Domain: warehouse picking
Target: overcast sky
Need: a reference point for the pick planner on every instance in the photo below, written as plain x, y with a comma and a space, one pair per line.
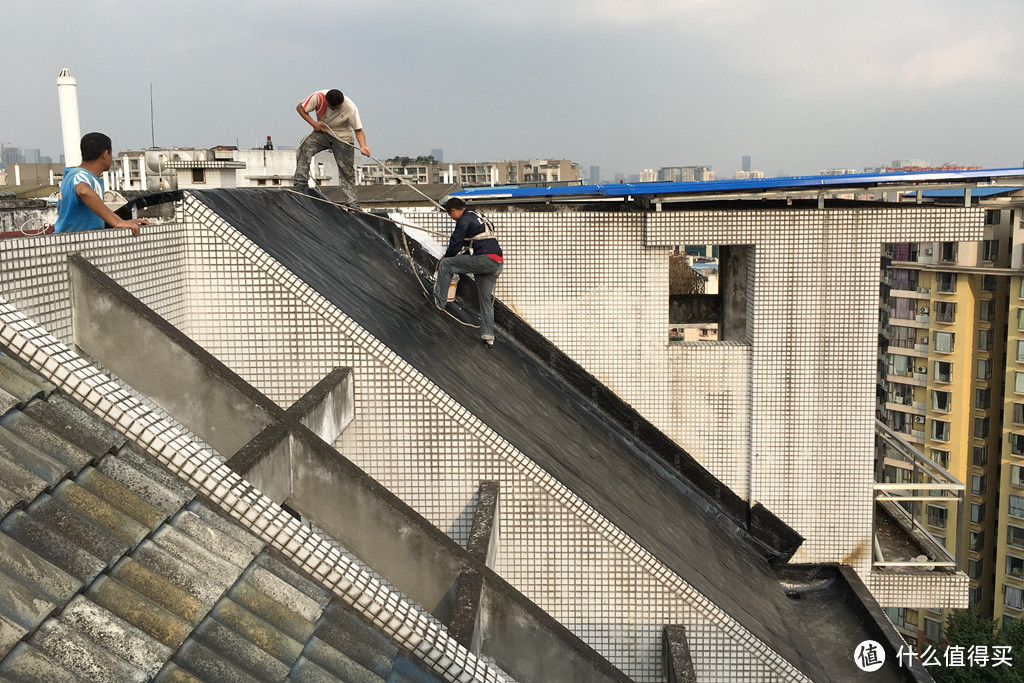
799, 85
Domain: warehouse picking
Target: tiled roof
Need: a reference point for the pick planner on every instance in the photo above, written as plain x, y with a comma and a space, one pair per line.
113, 569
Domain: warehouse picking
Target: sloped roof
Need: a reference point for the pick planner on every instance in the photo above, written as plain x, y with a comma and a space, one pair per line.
539, 411
113, 569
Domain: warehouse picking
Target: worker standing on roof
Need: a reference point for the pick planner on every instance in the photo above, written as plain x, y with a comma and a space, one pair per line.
336, 118
472, 249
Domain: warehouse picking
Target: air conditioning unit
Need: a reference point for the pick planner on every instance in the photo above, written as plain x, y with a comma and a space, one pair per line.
924, 340
919, 419
922, 369
924, 310
927, 251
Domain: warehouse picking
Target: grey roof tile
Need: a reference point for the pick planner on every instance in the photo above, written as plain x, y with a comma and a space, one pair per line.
83, 531
14, 367
10, 634
205, 588
308, 671
26, 664
346, 633
22, 485
116, 635
84, 656
134, 477
148, 465
36, 572
101, 512
7, 500
158, 590
341, 665
407, 671
259, 603
257, 629
64, 418
274, 587
21, 604
172, 673
213, 539
227, 526
187, 550
18, 386
19, 451
293, 578
53, 546
136, 609
120, 497
7, 401
244, 653
55, 445
207, 665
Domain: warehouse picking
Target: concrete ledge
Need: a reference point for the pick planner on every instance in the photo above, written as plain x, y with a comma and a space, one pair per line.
328, 408
677, 656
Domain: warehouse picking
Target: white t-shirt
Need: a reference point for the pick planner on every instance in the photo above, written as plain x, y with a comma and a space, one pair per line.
340, 121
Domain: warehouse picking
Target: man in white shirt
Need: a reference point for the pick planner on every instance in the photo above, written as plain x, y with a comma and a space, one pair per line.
336, 119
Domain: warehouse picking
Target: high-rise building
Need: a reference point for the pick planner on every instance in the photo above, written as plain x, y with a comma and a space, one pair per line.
953, 322
438, 155
595, 174
746, 164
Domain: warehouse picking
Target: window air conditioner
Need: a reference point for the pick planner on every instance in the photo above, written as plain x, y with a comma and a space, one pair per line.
922, 369
924, 340
924, 310
927, 251
919, 419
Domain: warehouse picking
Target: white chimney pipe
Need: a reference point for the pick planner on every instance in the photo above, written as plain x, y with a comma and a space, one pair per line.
67, 94
51, 176
143, 185
17, 174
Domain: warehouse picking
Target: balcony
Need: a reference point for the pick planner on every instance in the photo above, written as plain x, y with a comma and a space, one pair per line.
915, 489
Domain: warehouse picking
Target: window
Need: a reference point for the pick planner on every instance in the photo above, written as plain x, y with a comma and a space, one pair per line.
978, 483
1016, 444
974, 595
982, 398
940, 430
941, 401
982, 425
985, 338
1013, 597
974, 568
988, 310
1018, 382
1015, 536
932, 630
992, 217
980, 456
984, 368
990, 250
937, 516
1018, 413
1007, 622
988, 283
1020, 350
977, 513
944, 342
897, 615
945, 311
1017, 475
977, 541
940, 457
947, 251
945, 283
198, 175
906, 280
943, 371
1016, 508
1020, 318
904, 309
1015, 567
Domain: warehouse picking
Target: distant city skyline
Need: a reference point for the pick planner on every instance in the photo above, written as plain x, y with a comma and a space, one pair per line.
798, 87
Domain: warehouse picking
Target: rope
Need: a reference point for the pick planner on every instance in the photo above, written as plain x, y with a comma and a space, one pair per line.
429, 294
35, 231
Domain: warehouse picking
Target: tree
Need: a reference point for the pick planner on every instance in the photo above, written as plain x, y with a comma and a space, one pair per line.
968, 629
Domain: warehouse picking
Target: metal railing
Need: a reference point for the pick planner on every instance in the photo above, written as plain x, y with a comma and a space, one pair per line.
924, 483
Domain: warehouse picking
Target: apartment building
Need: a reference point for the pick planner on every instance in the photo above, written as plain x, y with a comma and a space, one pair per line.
468, 174
948, 386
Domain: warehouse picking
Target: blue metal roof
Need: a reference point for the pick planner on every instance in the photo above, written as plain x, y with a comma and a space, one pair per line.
766, 185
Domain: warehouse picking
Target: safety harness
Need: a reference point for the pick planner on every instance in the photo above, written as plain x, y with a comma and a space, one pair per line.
488, 233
